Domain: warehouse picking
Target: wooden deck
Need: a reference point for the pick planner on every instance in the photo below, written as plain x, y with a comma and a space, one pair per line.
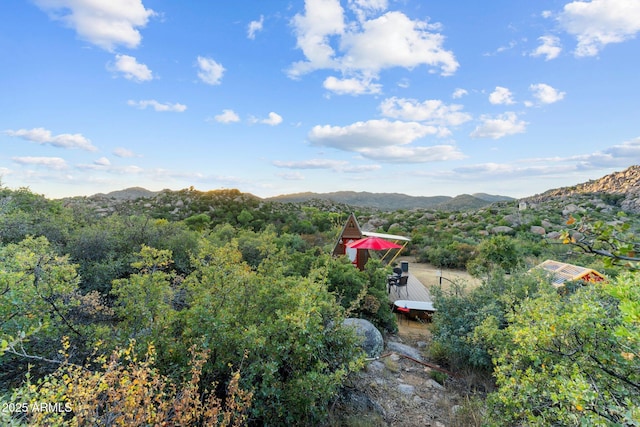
416, 290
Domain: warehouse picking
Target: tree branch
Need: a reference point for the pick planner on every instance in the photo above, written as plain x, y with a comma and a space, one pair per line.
613, 374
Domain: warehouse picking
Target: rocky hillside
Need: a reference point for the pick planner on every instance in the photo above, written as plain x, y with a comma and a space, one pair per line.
395, 201
621, 189
183, 203
624, 187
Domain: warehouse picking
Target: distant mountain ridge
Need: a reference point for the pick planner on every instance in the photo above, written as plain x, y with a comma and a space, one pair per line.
623, 185
363, 199
391, 201
131, 193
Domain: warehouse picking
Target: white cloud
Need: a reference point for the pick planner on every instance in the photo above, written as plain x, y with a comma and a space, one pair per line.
361, 168
128, 170
431, 111
210, 71
157, 106
254, 27
321, 20
227, 116
617, 156
366, 46
104, 165
549, 47
351, 86
334, 165
56, 163
369, 134
365, 8
106, 24
546, 94
404, 83
516, 173
598, 23
628, 150
274, 119
44, 136
408, 154
394, 40
501, 96
485, 169
132, 69
123, 153
459, 93
383, 140
500, 126
311, 164
102, 161
291, 176
621, 155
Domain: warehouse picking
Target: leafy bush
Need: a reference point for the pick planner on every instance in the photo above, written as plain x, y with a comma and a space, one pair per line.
453, 255
297, 354
496, 253
362, 293
39, 303
571, 360
461, 314
126, 390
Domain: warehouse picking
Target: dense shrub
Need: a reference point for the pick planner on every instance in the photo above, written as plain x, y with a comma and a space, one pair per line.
496, 253
461, 313
570, 360
125, 390
362, 293
453, 255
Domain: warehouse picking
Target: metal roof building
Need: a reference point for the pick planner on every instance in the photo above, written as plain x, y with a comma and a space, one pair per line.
562, 272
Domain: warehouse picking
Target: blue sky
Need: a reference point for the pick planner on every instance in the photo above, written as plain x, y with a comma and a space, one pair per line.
275, 97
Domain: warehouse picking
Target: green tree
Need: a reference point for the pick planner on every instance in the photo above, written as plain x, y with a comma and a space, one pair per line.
33, 286
143, 300
362, 293
245, 217
285, 328
571, 360
199, 222
461, 315
39, 303
497, 252
616, 242
23, 213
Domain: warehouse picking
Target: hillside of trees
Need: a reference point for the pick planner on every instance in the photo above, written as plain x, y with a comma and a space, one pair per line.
219, 308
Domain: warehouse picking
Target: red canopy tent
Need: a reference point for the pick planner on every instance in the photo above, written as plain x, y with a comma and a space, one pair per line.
373, 243
360, 255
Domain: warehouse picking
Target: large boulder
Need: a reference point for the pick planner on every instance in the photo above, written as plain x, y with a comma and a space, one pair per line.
502, 229
546, 224
371, 339
536, 229
404, 349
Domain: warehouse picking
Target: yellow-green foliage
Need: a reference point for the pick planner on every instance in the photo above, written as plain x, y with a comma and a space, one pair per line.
571, 360
125, 390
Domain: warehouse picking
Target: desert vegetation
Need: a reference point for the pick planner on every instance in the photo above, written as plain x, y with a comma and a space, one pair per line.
219, 308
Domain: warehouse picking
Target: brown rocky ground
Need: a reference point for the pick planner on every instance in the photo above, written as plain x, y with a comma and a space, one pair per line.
397, 391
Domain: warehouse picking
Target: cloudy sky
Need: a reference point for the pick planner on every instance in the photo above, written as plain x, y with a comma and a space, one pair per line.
282, 96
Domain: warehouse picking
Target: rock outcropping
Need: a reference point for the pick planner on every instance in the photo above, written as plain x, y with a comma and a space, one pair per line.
625, 184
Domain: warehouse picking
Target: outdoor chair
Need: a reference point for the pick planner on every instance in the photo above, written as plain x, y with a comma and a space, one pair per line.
392, 280
402, 282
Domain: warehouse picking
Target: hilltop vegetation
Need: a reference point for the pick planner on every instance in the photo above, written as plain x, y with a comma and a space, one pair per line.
167, 300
